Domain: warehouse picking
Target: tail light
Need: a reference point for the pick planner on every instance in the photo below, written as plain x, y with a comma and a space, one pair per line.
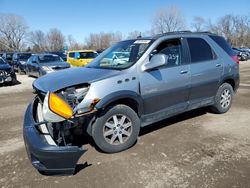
235, 58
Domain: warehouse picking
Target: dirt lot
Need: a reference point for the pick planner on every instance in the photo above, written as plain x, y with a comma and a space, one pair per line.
195, 149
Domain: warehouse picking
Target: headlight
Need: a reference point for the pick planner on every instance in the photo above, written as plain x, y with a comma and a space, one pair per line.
55, 109
47, 69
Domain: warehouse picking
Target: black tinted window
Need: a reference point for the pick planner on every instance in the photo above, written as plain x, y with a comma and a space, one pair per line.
199, 50
223, 44
72, 54
88, 55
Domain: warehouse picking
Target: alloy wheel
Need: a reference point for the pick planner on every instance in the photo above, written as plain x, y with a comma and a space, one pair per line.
117, 129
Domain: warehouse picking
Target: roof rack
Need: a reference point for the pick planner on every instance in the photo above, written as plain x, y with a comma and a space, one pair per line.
182, 32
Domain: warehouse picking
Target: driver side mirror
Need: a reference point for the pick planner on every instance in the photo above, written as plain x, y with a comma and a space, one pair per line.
156, 61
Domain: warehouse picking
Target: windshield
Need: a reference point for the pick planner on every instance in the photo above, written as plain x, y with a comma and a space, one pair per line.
9, 56
2, 61
24, 56
49, 58
122, 55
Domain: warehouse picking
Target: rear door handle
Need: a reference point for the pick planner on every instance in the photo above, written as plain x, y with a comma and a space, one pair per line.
184, 71
218, 65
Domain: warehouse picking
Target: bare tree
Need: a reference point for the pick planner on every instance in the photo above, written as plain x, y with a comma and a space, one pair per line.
242, 31
38, 40
134, 34
236, 29
167, 20
198, 23
55, 40
102, 40
12, 32
73, 44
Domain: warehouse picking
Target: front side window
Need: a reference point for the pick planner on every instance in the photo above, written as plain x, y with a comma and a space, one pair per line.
173, 51
200, 50
121, 55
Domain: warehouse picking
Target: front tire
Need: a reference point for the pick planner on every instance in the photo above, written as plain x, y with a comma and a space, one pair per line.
223, 99
116, 129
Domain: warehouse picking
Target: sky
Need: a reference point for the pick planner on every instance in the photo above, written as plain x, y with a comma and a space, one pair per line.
79, 18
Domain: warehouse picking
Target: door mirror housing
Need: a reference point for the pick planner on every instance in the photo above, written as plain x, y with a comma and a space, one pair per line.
156, 61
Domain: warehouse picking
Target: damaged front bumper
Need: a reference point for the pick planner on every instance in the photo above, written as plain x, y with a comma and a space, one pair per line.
47, 158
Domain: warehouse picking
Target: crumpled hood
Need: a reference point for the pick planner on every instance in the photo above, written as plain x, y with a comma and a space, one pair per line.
70, 77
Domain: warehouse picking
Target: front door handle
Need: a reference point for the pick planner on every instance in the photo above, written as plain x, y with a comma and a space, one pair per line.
184, 71
218, 65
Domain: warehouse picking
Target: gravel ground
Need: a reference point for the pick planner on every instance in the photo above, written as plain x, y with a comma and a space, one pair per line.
195, 149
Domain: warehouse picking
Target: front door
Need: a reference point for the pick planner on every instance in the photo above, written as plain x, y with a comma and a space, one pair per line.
165, 90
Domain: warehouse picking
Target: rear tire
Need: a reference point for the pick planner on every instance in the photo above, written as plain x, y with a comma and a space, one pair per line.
116, 129
223, 99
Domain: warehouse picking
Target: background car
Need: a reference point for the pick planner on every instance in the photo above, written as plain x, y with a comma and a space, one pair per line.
41, 64
7, 56
81, 57
243, 55
60, 54
19, 61
7, 73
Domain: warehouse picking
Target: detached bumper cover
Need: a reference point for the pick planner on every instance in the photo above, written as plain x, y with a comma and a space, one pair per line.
48, 159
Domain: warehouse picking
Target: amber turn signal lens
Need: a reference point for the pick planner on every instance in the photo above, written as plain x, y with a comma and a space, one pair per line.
59, 106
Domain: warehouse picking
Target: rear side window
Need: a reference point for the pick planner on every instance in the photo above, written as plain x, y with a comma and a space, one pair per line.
72, 54
223, 44
200, 50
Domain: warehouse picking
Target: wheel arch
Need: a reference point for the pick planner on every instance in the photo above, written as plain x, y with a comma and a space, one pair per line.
129, 98
229, 81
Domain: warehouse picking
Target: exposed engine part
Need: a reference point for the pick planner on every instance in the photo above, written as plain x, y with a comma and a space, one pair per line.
74, 95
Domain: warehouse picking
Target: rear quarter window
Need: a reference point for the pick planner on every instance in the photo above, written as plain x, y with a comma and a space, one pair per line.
223, 44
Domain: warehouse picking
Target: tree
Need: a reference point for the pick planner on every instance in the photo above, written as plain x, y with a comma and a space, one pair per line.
39, 40
100, 41
134, 34
55, 40
13, 30
167, 20
73, 44
236, 29
198, 23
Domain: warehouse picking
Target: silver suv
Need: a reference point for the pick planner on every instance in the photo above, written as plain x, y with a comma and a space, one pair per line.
130, 85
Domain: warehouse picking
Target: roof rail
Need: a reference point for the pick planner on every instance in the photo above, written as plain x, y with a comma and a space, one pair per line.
183, 32
173, 32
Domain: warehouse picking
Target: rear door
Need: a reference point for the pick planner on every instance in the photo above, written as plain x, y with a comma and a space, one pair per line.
206, 70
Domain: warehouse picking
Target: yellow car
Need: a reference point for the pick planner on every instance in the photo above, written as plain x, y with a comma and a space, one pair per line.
81, 58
